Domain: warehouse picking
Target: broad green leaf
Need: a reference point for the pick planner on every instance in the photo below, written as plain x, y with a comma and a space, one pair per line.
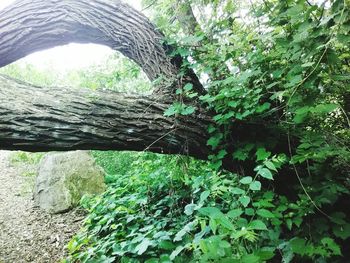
262, 154
270, 165
265, 213
331, 245
188, 110
264, 172
142, 247
172, 110
166, 245
244, 200
189, 209
246, 180
235, 213
237, 191
324, 108
251, 258
255, 186
176, 252
204, 196
257, 225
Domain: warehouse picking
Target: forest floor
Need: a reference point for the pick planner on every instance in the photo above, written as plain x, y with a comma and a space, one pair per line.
28, 234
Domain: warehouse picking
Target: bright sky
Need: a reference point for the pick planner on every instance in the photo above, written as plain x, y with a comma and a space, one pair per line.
72, 56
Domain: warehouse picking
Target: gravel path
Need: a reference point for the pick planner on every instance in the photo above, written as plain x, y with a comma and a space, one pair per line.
28, 234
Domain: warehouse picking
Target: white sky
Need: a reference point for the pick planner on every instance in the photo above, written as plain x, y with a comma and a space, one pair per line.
72, 56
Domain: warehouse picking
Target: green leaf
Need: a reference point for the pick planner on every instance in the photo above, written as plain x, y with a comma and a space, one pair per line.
265, 213
263, 107
215, 140
237, 191
244, 200
187, 228
250, 258
176, 252
270, 165
188, 110
211, 212
246, 180
204, 196
166, 245
188, 87
142, 247
257, 225
298, 245
172, 110
331, 245
262, 154
342, 232
266, 173
189, 209
234, 213
255, 186
325, 108
221, 154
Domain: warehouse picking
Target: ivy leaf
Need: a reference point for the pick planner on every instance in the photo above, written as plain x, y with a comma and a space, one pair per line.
246, 180
244, 200
266, 173
262, 154
257, 225
255, 186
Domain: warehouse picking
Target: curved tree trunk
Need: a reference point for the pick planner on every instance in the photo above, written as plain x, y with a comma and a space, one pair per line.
43, 119
32, 25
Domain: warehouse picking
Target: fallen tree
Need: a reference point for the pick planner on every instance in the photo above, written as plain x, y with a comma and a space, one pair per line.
44, 119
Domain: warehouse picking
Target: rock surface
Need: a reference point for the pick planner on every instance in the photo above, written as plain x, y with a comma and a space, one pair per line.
28, 234
64, 177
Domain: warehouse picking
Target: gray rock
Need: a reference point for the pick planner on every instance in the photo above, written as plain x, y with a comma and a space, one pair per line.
63, 178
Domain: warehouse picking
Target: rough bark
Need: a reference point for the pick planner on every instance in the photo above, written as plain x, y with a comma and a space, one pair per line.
32, 25
46, 119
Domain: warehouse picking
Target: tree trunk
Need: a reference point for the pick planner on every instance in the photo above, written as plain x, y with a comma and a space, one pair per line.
28, 26
47, 119
33, 25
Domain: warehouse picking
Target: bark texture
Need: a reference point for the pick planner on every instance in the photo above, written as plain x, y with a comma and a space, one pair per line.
46, 119
32, 25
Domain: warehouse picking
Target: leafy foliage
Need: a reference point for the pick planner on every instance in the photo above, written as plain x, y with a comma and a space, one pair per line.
284, 64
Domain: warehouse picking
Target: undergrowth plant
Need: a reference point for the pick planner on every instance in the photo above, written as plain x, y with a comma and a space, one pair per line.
281, 64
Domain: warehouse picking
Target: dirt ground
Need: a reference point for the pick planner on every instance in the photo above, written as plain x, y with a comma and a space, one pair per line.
28, 234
